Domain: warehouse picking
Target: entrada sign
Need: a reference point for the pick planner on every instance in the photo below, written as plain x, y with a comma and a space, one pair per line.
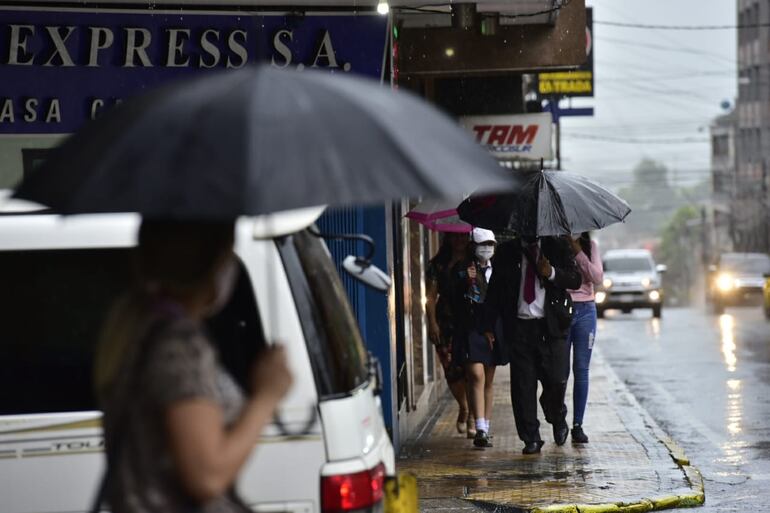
516, 135
571, 83
61, 67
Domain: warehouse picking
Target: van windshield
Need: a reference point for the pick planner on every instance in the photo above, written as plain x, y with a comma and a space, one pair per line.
52, 308
628, 265
334, 341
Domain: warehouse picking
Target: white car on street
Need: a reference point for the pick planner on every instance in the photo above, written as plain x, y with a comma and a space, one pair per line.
631, 280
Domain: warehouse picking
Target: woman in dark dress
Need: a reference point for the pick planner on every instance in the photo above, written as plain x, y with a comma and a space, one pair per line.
471, 278
454, 249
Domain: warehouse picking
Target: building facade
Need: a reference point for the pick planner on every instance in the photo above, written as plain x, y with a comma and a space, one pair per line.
723, 181
750, 204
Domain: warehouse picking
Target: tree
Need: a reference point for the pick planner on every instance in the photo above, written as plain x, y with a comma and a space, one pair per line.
678, 251
653, 200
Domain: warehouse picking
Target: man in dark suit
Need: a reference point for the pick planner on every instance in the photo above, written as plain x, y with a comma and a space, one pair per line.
529, 291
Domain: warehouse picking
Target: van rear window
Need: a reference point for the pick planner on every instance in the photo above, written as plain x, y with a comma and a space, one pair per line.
52, 307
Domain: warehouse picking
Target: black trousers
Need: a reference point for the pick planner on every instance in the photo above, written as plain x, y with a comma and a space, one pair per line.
534, 357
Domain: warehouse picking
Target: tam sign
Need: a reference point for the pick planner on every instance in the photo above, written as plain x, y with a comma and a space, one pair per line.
525, 136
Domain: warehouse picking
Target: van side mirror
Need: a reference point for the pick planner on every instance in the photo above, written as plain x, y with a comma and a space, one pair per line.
367, 273
661, 268
360, 268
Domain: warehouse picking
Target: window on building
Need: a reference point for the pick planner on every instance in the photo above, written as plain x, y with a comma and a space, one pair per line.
719, 145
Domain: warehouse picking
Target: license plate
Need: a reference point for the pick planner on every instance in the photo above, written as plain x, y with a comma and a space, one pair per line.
627, 298
401, 494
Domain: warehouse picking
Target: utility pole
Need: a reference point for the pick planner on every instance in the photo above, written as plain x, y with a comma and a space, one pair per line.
558, 143
765, 210
704, 238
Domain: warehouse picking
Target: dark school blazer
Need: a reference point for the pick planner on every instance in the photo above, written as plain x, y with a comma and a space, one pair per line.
503, 290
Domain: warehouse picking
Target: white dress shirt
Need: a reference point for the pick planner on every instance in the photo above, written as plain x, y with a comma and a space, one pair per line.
487, 271
535, 309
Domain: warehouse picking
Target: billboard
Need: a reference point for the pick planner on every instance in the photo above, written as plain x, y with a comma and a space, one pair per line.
579, 82
61, 67
526, 136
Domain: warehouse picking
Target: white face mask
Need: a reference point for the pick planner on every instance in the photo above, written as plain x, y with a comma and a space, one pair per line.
485, 253
224, 285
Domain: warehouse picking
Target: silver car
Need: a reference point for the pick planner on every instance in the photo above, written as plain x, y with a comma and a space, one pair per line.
631, 280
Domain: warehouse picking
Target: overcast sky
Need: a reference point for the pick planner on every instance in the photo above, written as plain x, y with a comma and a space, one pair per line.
653, 84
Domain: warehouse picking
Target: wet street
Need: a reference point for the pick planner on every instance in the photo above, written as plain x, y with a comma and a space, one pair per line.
706, 380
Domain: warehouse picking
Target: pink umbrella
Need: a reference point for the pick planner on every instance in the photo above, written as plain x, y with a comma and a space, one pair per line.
440, 216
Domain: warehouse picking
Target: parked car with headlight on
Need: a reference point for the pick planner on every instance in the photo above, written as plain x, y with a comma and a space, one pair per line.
631, 280
737, 279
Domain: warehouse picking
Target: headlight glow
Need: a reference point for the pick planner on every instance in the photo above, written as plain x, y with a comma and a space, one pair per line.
646, 282
607, 283
600, 297
725, 282
654, 295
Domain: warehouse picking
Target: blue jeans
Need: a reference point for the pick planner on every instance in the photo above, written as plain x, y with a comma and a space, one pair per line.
581, 341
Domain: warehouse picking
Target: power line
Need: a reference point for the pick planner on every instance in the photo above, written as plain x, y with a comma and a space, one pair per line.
665, 48
679, 27
631, 140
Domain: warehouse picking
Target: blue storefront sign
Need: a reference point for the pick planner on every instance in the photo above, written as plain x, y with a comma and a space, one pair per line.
62, 67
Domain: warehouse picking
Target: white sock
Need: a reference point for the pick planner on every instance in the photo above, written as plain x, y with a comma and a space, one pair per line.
481, 424
486, 425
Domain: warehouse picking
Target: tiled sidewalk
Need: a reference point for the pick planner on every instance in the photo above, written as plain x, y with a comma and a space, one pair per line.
629, 464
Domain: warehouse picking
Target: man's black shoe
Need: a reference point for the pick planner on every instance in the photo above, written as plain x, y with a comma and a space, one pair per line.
481, 439
560, 434
578, 436
532, 447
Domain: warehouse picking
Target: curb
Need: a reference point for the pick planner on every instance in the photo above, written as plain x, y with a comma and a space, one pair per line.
692, 474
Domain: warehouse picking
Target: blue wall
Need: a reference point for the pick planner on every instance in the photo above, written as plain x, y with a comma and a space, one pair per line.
370, 306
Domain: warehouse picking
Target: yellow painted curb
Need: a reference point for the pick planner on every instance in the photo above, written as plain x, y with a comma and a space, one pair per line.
643, 506
598, 508
556, 508
640, 507
676, 452
667, 502
691, 501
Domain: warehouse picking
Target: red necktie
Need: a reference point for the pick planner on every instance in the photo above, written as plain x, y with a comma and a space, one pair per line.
529, 276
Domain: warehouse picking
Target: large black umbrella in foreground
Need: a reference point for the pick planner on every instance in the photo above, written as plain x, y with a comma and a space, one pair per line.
260, 140
550, 203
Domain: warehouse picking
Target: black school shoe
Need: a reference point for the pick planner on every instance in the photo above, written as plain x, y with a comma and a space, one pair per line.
560, 434
481, 439
578, 436
532, 447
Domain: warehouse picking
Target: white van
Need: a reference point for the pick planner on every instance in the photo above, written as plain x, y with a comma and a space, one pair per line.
59, 276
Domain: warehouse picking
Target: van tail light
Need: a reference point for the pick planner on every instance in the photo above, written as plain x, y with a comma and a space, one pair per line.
348, 492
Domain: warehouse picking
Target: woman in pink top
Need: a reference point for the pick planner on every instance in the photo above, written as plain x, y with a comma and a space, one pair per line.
583, 330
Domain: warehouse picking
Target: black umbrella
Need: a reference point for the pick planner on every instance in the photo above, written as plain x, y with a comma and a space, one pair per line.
550, 203
260, 140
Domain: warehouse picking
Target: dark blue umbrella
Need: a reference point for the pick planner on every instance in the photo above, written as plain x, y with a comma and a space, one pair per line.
550, 203
260, 140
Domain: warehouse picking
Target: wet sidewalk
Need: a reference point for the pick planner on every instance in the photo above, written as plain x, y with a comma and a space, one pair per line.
630, 465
